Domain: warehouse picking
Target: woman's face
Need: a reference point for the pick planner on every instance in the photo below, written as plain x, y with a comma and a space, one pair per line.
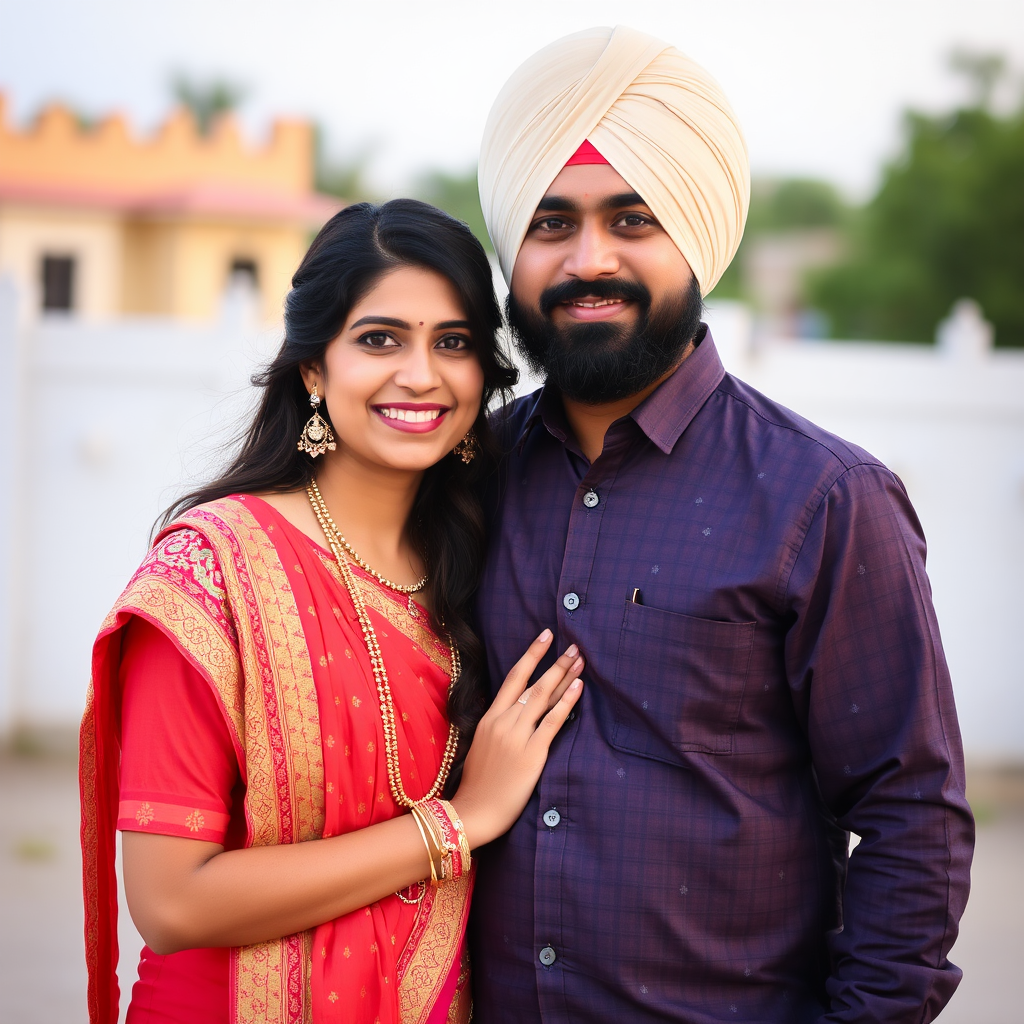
401, 381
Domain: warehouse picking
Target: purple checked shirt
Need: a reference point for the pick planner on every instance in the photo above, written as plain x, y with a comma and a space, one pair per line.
764, 674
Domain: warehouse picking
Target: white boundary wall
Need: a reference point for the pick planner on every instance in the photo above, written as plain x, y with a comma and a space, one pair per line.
950, 423
101, 425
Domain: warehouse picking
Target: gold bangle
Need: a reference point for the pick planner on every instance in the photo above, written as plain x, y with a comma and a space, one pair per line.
426, 843
436, 845
426, 814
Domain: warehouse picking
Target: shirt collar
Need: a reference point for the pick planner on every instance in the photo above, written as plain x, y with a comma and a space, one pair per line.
663, 415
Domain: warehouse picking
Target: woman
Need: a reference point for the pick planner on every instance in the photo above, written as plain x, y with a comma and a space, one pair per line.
274, 716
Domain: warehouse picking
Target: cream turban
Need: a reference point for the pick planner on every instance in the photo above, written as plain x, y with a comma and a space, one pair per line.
656, 116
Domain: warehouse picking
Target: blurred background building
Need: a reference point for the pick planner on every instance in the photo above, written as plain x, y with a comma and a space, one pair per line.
99, 223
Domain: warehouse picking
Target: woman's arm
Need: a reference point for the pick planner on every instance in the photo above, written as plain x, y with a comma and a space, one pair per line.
184, 893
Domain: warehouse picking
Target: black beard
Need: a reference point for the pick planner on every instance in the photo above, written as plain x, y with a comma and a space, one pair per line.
595, 363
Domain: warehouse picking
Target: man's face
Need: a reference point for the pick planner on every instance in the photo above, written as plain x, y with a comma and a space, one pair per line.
601, 301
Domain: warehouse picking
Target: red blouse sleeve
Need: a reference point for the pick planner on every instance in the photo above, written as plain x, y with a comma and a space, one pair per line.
179, 771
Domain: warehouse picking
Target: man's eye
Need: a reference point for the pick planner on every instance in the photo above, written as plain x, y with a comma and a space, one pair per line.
377, 339
552, 224
634, 220
453, 342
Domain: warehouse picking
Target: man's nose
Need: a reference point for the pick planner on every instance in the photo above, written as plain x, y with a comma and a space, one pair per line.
418, 370
592, 254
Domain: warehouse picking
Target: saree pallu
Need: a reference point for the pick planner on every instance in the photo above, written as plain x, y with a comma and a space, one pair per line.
262, 613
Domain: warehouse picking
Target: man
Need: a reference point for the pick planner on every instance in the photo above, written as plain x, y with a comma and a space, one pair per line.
764, 672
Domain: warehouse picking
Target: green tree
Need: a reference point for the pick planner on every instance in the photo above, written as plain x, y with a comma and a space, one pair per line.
458, 195
792, 204
344, 178
946, 223
207, 100
778, 206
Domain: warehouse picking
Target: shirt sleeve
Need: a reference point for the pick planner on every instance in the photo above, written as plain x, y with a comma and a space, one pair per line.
870, 683
178, 765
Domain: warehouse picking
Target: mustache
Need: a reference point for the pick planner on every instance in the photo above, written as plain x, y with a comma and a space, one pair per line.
603, 288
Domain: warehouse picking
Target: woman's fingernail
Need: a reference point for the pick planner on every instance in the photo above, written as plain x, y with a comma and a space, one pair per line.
572, 651
577, 665
575, 684
546, 635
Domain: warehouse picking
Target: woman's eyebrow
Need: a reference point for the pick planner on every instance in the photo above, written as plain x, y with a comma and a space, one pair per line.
387, 321
403, 325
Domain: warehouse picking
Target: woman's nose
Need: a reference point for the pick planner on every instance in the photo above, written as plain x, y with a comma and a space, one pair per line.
418, 370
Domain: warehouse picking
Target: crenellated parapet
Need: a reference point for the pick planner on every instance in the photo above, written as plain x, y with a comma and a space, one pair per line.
98, 221
56, 151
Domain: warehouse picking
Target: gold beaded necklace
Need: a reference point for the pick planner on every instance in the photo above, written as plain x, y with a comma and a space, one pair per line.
380, 675
414, 589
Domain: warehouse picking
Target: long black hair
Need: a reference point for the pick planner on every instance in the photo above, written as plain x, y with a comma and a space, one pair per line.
353, 250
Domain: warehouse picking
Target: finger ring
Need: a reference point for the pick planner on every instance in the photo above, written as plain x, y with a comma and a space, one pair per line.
522, 700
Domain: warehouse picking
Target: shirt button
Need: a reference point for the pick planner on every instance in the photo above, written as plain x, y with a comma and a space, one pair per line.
547, 956
552, 818
571, 602
590, 499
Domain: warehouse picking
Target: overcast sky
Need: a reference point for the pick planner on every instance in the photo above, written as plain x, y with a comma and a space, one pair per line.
819, 85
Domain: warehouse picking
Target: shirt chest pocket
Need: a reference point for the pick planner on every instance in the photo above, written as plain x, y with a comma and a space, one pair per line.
679, 683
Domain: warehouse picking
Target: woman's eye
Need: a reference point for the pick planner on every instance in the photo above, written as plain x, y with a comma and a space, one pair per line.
453, 342
377, 339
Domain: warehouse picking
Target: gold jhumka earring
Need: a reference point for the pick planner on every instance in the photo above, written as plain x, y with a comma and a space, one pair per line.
317, 436
467, 448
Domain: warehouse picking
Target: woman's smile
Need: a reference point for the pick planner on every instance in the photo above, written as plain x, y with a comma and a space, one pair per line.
412, 417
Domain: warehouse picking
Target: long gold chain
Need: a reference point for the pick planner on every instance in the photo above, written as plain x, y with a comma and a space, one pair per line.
380, 675
402, 589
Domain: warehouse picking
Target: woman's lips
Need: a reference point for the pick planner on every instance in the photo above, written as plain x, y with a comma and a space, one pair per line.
594, 309
412, 418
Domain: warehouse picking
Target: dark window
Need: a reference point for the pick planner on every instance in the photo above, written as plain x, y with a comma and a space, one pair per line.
245, 268
59, 282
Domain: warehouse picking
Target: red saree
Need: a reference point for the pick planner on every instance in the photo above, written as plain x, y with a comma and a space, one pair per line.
261, 613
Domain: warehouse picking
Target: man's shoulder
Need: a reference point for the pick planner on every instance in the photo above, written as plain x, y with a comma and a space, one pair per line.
757, 421
767, 422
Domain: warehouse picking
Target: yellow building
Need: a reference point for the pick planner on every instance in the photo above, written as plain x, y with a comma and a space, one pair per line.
97, 223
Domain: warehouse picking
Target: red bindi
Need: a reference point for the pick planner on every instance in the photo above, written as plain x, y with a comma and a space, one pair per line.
421, 323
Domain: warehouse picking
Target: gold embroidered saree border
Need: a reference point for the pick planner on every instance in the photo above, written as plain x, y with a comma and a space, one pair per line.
432, 948
284, 757
102, 988
186, 621
461, 1009
268, 693
160, 593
